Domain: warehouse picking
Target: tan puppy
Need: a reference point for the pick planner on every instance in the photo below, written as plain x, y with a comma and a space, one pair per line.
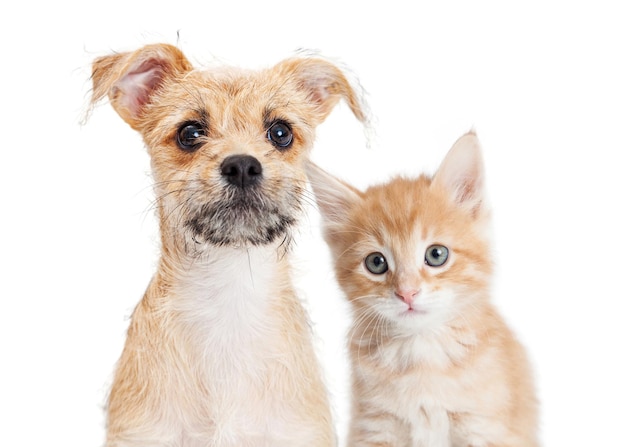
218, 351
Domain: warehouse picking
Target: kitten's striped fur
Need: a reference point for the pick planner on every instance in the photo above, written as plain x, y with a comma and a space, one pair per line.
434, 364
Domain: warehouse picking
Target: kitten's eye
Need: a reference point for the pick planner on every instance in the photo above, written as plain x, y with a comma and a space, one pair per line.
436, 255
190, 136
376, 263
280, 134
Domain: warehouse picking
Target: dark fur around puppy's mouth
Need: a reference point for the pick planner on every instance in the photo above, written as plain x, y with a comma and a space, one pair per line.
246, 217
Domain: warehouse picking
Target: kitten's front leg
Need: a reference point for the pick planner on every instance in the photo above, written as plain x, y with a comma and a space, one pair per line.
379, 429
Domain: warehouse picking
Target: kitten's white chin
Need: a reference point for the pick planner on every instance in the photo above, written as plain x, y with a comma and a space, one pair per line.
417, 308
412, 312
417, 320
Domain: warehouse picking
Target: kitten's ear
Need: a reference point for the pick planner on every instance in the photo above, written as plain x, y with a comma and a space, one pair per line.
334, 197
462, 173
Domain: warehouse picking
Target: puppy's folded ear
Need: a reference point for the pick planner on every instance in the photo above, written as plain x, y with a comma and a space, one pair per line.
324, 83
131, 79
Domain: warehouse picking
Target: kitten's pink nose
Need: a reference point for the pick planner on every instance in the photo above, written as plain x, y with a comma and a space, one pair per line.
407, 295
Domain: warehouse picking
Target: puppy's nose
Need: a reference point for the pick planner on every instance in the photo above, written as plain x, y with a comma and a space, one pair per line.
242, 170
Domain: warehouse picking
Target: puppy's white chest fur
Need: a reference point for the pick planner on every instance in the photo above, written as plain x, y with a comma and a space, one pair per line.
218, 351
226, 296
227, 307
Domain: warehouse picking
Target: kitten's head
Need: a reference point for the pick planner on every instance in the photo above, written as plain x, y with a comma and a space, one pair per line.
413, 253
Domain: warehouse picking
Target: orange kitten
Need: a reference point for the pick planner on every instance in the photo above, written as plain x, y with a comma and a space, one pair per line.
433, 362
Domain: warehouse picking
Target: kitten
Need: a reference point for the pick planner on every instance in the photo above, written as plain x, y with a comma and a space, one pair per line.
433, 363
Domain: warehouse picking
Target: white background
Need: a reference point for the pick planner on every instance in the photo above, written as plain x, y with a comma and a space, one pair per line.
542, 82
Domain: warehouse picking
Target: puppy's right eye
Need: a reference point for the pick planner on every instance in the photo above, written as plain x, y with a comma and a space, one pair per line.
280, 134
190, 136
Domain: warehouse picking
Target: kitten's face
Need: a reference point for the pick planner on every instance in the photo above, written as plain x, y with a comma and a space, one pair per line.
410, 252
409, 255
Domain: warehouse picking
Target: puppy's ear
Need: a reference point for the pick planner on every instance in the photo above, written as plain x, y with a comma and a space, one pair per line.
131, 79
324, 84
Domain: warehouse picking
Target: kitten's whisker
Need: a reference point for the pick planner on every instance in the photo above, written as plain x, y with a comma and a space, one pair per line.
367, 323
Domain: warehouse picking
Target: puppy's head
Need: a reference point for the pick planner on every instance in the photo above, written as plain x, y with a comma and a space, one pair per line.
227, 145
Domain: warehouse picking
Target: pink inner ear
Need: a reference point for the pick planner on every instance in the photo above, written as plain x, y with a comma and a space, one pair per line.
318, 89
466, 189
135, 88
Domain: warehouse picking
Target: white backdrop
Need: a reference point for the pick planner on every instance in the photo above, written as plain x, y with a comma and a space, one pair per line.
542, 82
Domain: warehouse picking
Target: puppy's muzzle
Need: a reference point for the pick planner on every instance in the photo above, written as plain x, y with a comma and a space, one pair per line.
242, 171
252, 209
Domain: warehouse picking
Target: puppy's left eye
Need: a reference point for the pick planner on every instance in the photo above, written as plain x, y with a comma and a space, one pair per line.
190, 136
280, 134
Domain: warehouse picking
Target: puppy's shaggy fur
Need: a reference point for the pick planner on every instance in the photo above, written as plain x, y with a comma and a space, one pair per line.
218, 351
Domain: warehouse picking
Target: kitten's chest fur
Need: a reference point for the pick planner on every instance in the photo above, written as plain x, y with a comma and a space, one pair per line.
434, 380
427, 368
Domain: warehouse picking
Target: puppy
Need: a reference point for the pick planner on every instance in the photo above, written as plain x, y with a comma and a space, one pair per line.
218, 351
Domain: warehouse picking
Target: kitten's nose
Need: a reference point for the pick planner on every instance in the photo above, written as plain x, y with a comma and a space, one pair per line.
407, 295
242, 170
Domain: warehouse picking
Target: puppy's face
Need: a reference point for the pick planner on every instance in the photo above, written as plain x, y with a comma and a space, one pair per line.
227, 148
227, 145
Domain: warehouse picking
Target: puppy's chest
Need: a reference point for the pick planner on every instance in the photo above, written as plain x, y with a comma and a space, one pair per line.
227, 308
232, 335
